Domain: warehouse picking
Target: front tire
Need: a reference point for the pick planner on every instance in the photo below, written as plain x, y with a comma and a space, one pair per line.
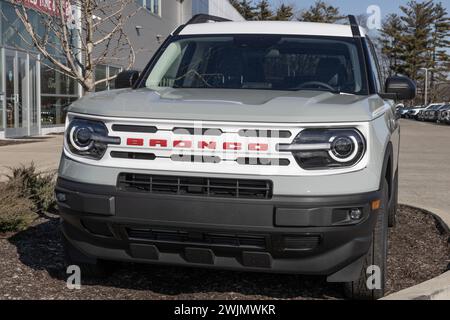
377, 256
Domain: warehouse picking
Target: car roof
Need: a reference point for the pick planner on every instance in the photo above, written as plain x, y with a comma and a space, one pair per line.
271, 27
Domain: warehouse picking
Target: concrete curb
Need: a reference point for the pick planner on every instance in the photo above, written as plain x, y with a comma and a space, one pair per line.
434, 289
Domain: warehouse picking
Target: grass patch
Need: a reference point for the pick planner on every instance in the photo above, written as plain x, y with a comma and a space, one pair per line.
26, 195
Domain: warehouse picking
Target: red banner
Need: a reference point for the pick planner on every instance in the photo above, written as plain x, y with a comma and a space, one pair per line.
47, 6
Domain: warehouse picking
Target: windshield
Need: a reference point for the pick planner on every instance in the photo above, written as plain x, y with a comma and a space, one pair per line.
265, 62
435, 107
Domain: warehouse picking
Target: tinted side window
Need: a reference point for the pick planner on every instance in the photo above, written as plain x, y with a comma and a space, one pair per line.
374, 66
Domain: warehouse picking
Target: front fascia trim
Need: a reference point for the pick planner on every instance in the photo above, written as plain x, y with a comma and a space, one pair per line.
231, 129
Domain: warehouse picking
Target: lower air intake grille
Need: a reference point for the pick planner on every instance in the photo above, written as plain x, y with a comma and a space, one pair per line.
200, 238
194, 186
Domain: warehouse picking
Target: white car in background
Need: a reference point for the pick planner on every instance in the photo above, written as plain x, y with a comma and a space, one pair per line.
418, 112
414, 112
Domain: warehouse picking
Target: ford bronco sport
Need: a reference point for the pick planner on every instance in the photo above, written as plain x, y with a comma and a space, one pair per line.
257, 146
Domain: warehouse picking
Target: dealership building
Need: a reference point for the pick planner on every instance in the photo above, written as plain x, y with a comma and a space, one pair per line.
34, 95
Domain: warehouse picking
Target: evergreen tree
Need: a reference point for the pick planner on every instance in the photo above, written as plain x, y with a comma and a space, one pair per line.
284, 13
263, 10
236, 5
415, 39
240, 7
246, 9
321, 12
440, 58
391, 47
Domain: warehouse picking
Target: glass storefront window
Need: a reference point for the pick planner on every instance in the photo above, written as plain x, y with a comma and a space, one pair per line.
58, 91
112, 72
154, 6
100, 74
105, 72
13, 28
14, 34
54, 81
54, 110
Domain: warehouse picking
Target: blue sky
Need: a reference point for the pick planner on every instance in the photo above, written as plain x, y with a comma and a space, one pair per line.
355, 6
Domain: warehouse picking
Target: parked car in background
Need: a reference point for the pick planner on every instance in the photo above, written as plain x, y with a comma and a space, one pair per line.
432, 112
414, 112
420, 112
421, 115
444, 114
402, 111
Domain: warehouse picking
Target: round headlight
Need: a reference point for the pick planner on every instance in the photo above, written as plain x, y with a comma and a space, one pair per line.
81, 138
343, 148
316, 149
87, 138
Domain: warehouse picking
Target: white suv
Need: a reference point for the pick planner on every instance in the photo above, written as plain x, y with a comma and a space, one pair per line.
258, 146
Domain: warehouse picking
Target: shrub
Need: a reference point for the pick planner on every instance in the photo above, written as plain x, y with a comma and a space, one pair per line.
34, 185
25, 195
16, 212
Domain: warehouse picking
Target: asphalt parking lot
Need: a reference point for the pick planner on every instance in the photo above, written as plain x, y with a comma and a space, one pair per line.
425, 166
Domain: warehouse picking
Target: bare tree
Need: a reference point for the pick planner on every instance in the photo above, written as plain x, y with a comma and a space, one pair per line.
79, 35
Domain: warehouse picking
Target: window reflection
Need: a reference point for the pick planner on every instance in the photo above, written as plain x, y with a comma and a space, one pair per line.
54, 110
103, 72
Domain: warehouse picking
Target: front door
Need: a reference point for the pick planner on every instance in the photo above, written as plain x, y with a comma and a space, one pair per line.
17, 92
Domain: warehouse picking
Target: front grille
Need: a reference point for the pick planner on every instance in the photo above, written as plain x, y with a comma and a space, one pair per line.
133, 128
249, 133
301, 242
195, 159
184, 237
196, 186
133, 155
198, 131
263, 161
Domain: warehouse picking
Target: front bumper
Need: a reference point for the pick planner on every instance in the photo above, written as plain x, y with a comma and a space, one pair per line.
299, 235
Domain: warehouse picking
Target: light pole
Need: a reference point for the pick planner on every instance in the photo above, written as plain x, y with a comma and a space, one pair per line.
426, 84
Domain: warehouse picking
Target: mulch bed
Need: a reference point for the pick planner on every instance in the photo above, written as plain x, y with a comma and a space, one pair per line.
418, 251
32, 267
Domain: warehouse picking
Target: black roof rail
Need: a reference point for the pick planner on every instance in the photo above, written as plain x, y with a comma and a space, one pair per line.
200, 18
203, 18
362, 47
355, 26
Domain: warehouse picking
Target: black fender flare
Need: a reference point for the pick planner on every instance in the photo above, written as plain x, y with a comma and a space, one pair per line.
388, 160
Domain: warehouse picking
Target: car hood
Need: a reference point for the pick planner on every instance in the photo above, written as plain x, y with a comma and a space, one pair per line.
231, 105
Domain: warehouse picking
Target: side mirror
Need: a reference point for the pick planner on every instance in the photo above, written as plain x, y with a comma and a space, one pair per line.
126, 79
399, 88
